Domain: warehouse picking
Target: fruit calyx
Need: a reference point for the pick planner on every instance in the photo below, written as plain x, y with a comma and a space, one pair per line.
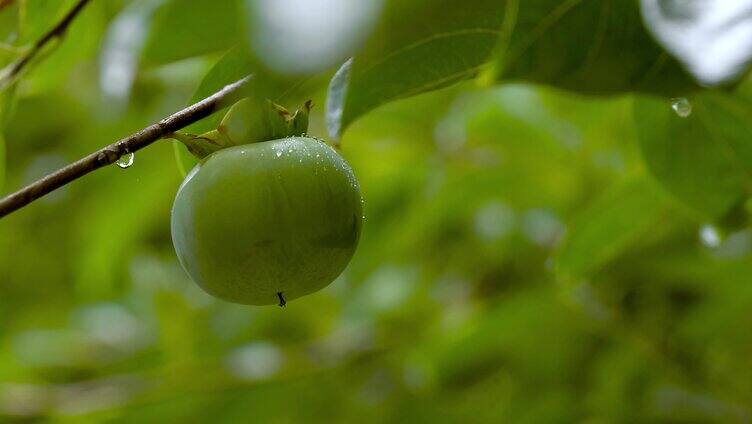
248, 121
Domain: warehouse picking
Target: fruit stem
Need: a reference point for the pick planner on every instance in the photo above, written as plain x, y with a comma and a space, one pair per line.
282, 301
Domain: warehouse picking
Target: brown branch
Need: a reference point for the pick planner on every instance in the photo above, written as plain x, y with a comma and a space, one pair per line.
12, 71
108, 155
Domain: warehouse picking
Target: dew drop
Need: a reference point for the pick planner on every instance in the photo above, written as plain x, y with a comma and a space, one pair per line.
126, 160
682, 107
279, 153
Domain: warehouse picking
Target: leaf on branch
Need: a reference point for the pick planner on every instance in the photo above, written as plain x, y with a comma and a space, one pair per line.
235, 64
419, 46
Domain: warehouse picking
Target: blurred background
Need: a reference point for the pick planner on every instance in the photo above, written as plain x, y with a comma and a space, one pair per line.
453, 307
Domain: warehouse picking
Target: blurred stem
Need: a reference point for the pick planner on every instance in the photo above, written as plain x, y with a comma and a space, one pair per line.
108, 155
10, 73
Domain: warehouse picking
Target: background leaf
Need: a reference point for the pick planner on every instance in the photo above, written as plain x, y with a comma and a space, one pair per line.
186, 28
234, 65
597, 47
38, 16
629, 212
704, 159
419, 46
479, 203
543, 42
122, 48
7, 105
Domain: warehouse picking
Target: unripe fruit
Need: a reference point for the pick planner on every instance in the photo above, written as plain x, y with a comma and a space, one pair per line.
266, 222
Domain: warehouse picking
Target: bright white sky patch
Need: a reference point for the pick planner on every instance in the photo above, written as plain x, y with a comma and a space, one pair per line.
713, 38
302, 36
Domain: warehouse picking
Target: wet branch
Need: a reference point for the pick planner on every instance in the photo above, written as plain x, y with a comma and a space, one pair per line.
108, 155
12, 71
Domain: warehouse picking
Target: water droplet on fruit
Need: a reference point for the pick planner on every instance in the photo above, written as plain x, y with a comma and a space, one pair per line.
710, 236
126, 160
682, 107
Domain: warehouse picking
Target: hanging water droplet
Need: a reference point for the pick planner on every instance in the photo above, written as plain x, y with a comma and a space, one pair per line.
126, 160
682, 107
710, 236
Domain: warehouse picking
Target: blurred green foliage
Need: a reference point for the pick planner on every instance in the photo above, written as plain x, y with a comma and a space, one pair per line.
529, 254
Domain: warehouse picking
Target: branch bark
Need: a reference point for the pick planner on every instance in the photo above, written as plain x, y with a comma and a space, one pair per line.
108, 155
12, 71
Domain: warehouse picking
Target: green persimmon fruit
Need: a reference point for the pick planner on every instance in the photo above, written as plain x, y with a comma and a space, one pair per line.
267, 222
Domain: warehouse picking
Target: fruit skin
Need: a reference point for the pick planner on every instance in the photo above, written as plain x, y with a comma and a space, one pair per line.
258, 219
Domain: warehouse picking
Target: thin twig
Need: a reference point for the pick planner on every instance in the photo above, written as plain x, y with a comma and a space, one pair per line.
108, 155
12, 71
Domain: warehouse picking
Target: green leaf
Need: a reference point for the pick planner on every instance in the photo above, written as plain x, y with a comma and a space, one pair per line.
202, 145
9, 26
234, 65
705, 159
38, 16
2, 160
597, 47
253, 121
404, 58
625, 214
186, 28
248, 121
7, 105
